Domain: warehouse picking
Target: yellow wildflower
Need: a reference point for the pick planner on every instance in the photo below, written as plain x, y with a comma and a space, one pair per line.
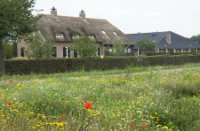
60, 124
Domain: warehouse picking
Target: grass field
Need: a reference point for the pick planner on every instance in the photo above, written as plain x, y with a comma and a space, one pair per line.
151, 99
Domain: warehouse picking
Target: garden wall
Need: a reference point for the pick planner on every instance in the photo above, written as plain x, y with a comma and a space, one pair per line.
87, 64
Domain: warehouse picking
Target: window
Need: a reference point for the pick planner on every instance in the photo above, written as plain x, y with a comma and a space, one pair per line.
110, 49
127, 49
22, 51
139, 52
69, 53
98, 51
178, 50
75, 36
75, 54
54, 52
162, 50
60, 36
65, 52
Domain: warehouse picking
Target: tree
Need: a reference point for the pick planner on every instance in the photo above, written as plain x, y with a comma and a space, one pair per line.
8, 47
85, 46
146, 45
196, 38
118, 47
15, 19
38, 47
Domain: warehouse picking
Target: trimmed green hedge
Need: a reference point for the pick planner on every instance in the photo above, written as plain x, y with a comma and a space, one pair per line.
87, 64
172, 53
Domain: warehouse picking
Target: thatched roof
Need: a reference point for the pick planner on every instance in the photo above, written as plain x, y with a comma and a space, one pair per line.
104, 32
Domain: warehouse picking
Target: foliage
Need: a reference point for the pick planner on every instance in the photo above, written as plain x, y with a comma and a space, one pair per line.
15, 19
38, 47
146, 45
88, 64
85, 46
196, 38
14, 49
8, 50
105, 102
118, 47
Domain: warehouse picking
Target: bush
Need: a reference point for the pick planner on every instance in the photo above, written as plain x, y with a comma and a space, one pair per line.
8, 51
88, 64
170, 53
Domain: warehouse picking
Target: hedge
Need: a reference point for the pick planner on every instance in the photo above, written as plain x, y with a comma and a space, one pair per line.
88, 64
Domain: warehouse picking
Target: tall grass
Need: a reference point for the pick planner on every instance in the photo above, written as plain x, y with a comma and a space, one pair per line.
152, 100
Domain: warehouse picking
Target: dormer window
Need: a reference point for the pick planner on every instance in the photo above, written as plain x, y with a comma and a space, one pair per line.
75, 36
60, 37
92, 37
103, 32
115, 34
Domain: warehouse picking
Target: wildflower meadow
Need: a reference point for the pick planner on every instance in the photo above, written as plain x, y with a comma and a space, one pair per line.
123, 100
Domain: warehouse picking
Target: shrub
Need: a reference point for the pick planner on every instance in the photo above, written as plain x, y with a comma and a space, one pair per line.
84, 46
9, 49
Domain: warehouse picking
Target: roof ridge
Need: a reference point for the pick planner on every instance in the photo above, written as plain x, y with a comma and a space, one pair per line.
72, 17
139, 33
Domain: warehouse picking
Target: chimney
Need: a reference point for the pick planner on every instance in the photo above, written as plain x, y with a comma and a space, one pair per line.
168, 37
82, 14
54, 11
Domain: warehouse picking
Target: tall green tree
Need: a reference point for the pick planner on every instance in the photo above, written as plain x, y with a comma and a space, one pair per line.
146, 45
15, 19
118, 47
196, 38
85, 46
8, 47
38, 47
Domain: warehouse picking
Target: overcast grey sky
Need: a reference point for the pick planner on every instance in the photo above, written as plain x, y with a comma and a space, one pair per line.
133, 16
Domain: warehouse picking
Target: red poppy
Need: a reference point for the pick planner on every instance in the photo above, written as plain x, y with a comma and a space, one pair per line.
144, 125
131, 125
88, 105
62, 116
9, 103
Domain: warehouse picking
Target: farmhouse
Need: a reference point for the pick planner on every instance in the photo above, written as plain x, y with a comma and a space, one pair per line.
62, 30
167, 42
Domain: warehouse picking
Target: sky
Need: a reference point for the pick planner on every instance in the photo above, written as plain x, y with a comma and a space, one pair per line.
134, 16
